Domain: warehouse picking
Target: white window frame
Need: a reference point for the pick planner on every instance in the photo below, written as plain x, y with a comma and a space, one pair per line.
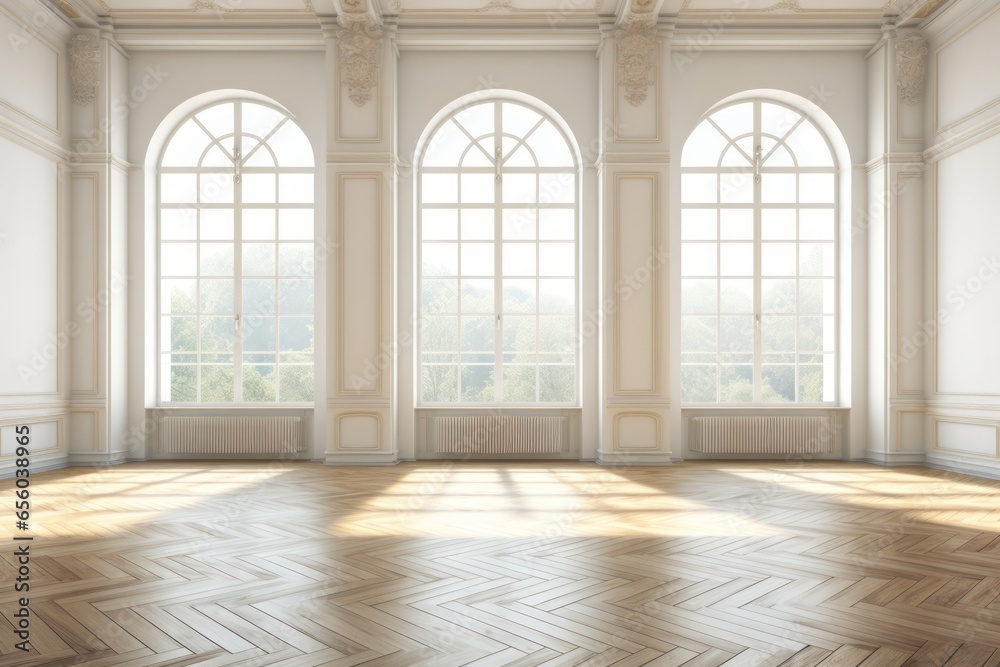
498, 277
758, 206
237, 206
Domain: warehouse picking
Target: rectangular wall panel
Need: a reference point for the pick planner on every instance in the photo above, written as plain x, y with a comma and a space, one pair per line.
42, 436
30, 341
968, 270
913, 332
359, 284
29, 73
635, 287
84, 193
965, 82
966, 438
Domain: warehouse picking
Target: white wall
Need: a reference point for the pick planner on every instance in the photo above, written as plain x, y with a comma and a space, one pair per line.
963, 111
34, 340
428, 82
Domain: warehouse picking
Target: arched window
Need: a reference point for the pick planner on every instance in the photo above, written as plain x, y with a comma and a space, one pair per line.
758, 258
497, 258
236, 258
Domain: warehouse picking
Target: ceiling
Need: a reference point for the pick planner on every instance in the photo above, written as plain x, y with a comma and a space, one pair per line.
869, 12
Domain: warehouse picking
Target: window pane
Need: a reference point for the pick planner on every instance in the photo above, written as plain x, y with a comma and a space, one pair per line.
258, 383
557, 295
439, 334
557, 224
296, 188
216, 334
291, 147
816, 259
217, 384
699, 188
216, 296
777, 296
736, 296
259, 296
698, 384
295, 224
217, 224
178, 224
296, 334
478, 383
557, 384
178, 188
777, 120
778, 188
216, 188
519, 188
446, 146
439, 224
183, 384
778, 384
816, 188
519, 295
809, 147
556, 259
295, 296
478, 334
439, 188
777, 333
778, 259
519, 259
178, 296
439, 259
700, 224
699, 295
557, 188
179, 334
477, 259
258, 259
477, 296
519, 224
816, 224
777, 224
259, 188
735, 120
736, 383
520, 335
258, 224
736, 333
703, 147
216, 259
478, 188
736, 259
736, 224
478, 225
699, 334
186, 146
258, 333
736, 188
556, 334
439, 383
439, 295
179, 259
550, 147
699, 259
295, 259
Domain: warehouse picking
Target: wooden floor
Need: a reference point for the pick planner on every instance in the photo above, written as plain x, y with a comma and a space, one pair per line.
440, 564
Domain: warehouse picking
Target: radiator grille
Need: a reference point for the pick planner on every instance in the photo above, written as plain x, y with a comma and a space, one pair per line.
498, 434
230, 435
761, 435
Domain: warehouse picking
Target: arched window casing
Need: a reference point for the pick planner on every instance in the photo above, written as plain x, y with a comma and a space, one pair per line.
235, 230
759, 200
497, 260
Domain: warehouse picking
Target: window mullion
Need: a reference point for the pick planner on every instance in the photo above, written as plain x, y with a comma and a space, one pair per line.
498, 364
758, 270
239, 318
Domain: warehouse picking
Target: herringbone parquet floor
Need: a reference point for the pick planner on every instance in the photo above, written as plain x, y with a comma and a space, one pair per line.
554, 564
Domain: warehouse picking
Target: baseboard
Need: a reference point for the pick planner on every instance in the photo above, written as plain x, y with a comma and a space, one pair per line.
627, 459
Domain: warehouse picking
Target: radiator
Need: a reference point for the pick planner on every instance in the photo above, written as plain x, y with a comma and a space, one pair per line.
231, 435
761, 435
497, 434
